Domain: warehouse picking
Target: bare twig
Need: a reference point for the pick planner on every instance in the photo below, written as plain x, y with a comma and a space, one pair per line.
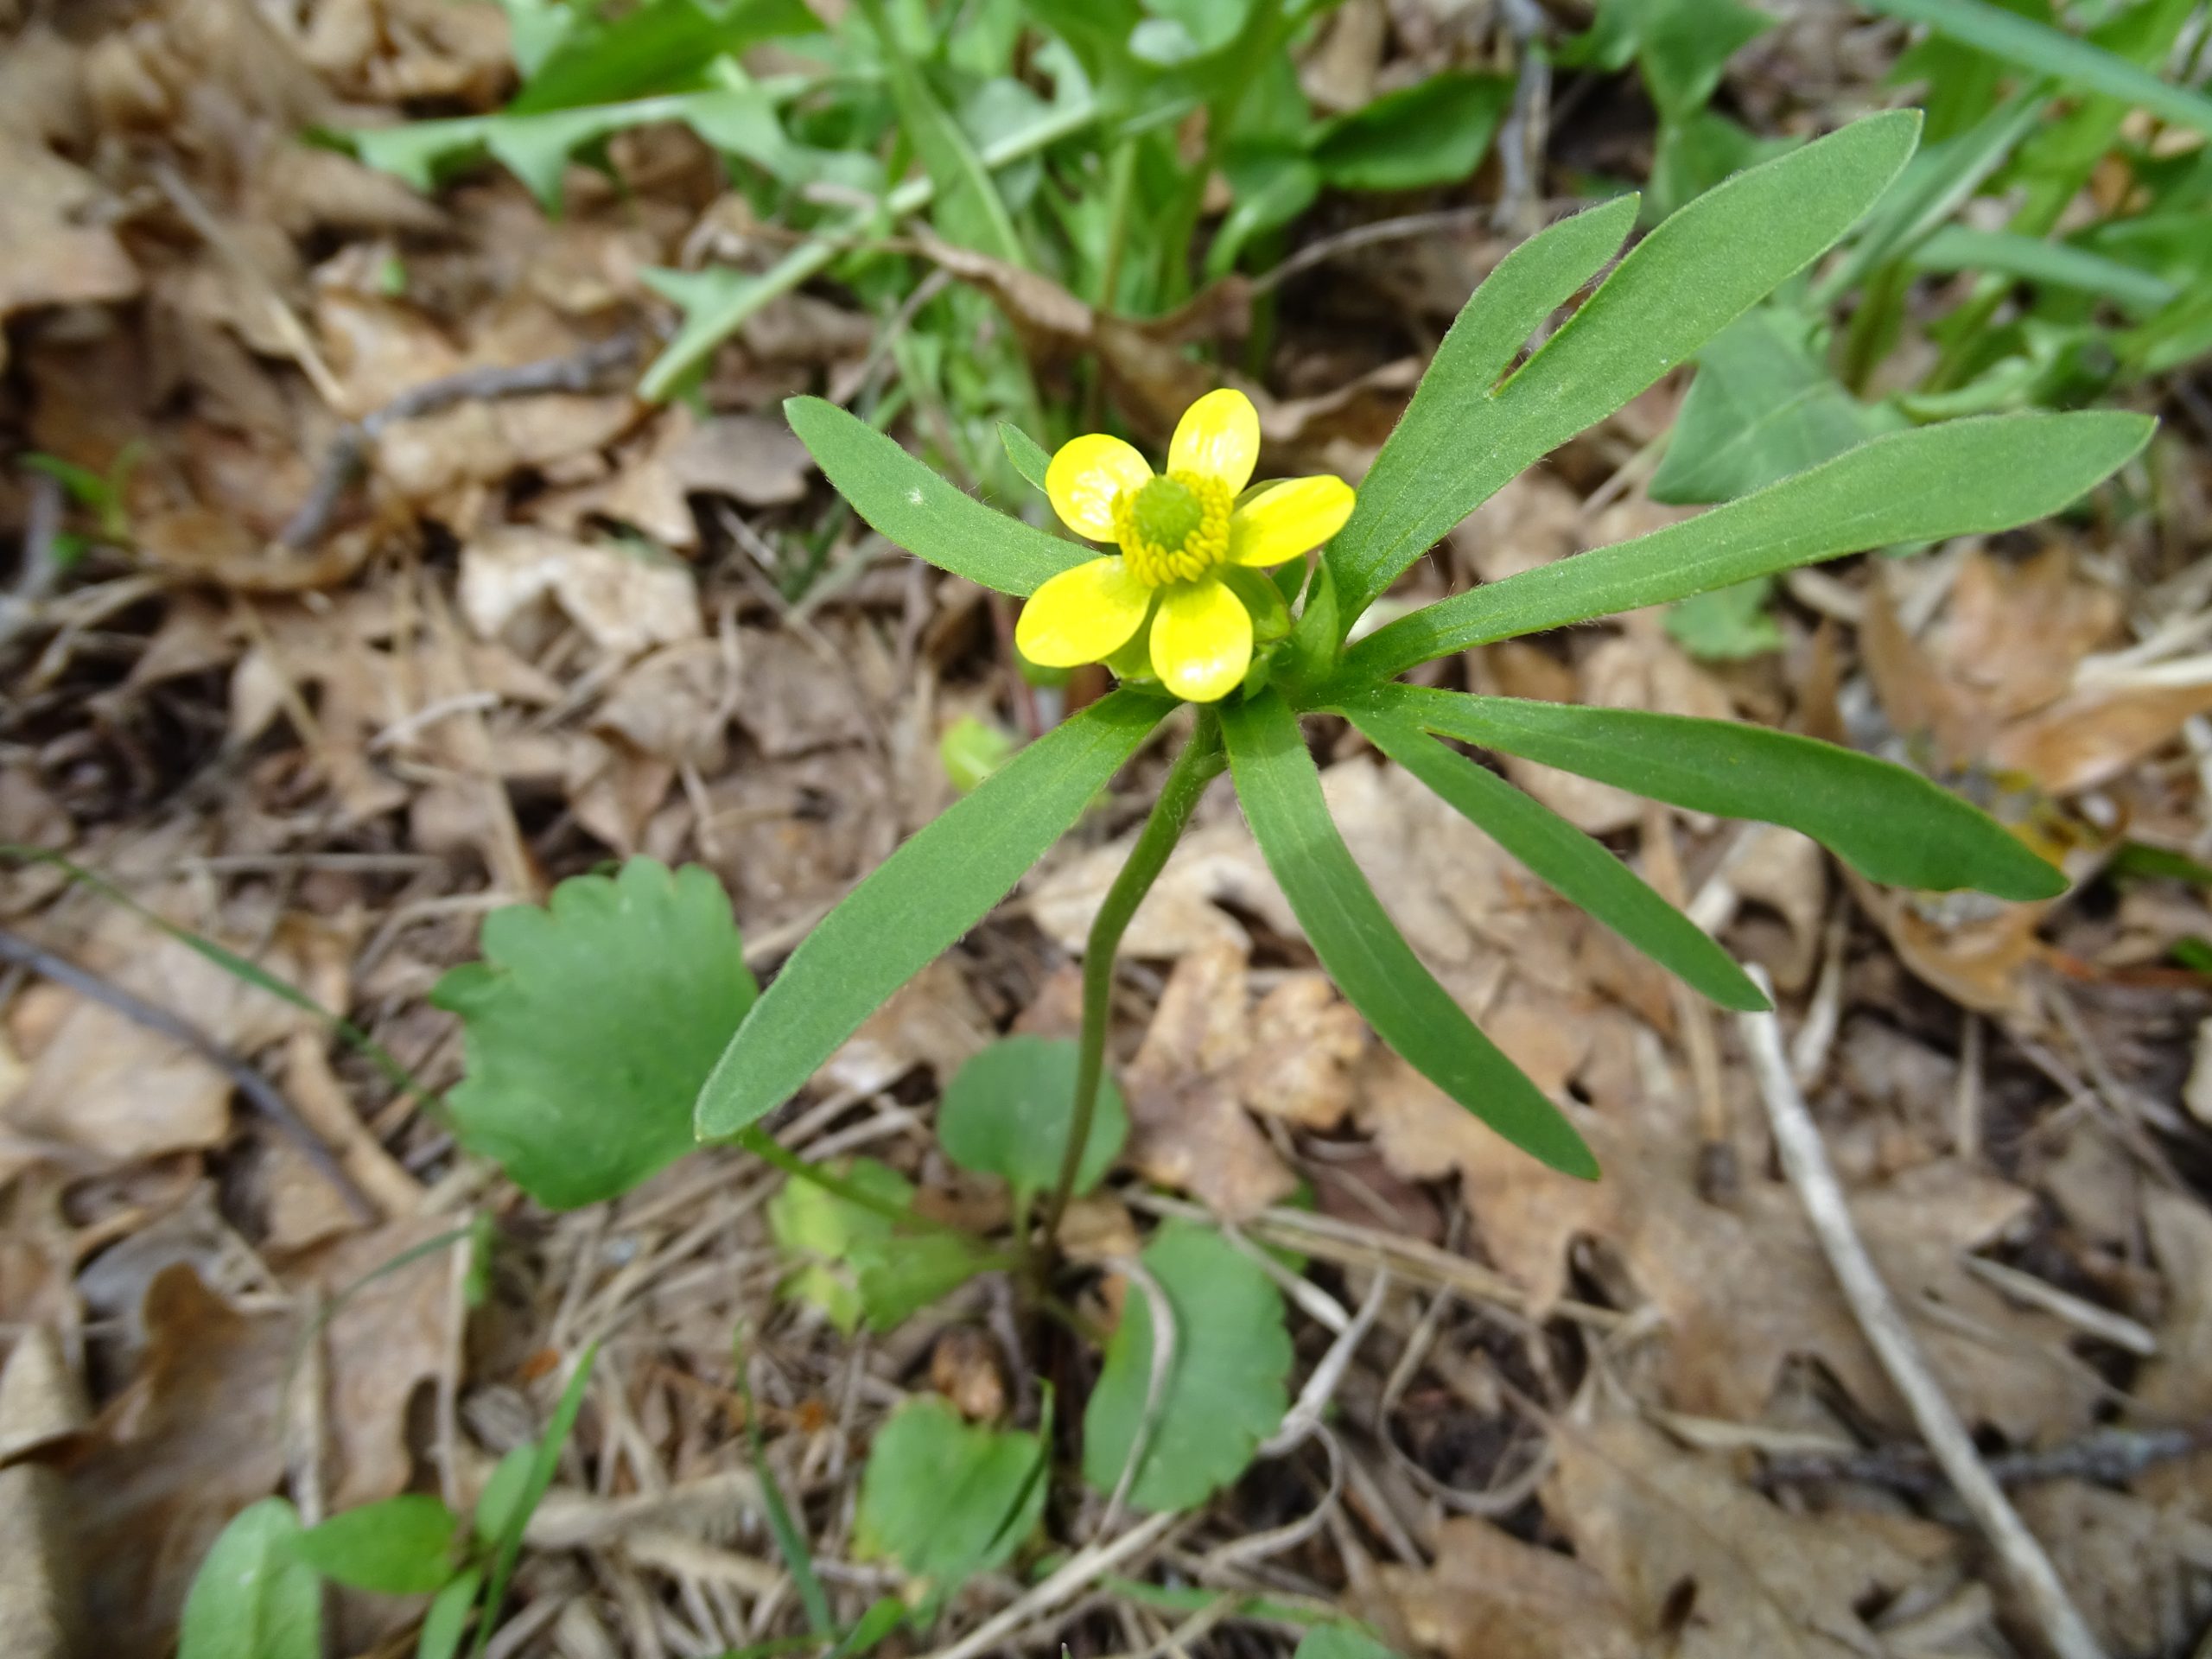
348, 453
40, 567
263, 1096
1806, 1162
1521, 136
1082, 1570
2109, 1455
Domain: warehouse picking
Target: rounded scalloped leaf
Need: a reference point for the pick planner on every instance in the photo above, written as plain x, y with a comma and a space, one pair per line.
945, 1498
590, 1025
1008, 1111
1227, 1380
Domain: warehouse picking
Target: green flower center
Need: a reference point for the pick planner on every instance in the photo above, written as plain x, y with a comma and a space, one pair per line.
1174, 529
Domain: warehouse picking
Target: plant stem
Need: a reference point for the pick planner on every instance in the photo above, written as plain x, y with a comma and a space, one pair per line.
765, 1147
1199, 764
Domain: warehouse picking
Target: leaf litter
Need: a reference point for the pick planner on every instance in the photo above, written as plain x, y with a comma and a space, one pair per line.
546, 633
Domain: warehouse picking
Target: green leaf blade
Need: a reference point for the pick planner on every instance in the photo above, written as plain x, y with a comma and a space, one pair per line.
1699, 271
922, 899
1889, 824
1963, 478
1225, 1390
924, 513
947, 1499
1010, 1110
590, 1025
252, 1597
402, 1547
1581, 870
1363, 950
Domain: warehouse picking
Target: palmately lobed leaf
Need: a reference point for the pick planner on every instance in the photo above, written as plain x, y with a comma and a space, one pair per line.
947, 1499
590, 1025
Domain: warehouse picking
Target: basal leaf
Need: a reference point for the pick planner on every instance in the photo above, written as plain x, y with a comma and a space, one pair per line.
1008, 1112
1579, 870
1393, 521
1686, 46
1965, 478
590, 1025
1225, 1389
402, 1547
854, 1262
947, 1499
911, 504
1679, 287
1361, 947
1889, 824
921, 900
252, 1597
1432, 132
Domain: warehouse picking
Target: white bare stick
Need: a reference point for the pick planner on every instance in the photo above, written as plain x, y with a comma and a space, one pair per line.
1085, 1568
1805, 1159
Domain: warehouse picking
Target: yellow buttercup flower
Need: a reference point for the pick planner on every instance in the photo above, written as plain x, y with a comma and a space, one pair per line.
1178, 530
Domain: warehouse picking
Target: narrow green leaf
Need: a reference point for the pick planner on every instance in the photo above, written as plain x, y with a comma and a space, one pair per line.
1030, 458
1395, 510
2048, 265
924, 513
969, 209
446, 1625
1432, 132
1889, 824
252, 1597
1341, 1642
1362, 948
1579, 868
1679, 287
1965, 478
2037, 46
544, 1465
921, 900
663, 46
402, 1547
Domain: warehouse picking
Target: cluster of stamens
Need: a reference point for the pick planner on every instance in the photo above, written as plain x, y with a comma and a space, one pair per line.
1174, 529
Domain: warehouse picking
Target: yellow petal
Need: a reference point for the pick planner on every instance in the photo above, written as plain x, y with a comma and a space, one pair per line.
1082, 615
1289, 519
1086, 475
1201, 641
1218, 436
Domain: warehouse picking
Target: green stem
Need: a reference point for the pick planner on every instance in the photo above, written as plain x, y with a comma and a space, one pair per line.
1199, 764
764, 1146
1120, 187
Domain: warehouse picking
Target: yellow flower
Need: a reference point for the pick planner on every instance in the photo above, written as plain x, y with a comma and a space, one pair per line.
1178, 532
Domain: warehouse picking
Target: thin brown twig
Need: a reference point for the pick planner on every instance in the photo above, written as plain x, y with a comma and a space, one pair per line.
2109, 1455
347, 455
1805, 1159
263, 1096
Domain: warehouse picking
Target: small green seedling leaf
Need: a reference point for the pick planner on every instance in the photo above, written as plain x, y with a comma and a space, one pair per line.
947, 1499
402, 1547
445, 1627
1889, 824
591, 1024
1363, 950
1030, 458
1581, 870
855, 1262
1341, 1642
252, 1597
1726, 625
1010, 1110
1225, 1390
972, 749
496, 1504
924, 514
925, 895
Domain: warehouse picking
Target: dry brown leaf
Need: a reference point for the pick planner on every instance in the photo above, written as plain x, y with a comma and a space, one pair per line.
1709, 1569
757, 460
794, 702
675, 705
1214, 865
198, 1433
102, 1085
625, 603
1490, 1595
2014, 633
2140, 1572
932, 1021
58, 252
2096, 734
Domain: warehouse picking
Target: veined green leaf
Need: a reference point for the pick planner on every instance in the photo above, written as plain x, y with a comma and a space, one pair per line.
916, 903
1889, 824
252, 1597
1395, 506
401, 1546
1678, 287
2050, 265
1965, 478
1435, 132
664, 46
2037, 46
1362, 948
1579, 870
924, 513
